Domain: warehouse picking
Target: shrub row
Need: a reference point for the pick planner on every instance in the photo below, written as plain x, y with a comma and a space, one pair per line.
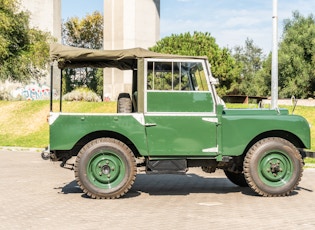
82, 94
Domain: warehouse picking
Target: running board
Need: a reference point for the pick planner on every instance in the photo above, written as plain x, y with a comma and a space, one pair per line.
178, 166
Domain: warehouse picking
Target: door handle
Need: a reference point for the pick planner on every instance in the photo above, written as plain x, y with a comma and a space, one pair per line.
149, 124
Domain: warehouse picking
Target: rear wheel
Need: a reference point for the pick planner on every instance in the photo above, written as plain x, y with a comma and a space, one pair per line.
105, 168
236, 178
273, 167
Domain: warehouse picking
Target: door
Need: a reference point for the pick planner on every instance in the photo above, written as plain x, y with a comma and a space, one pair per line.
179, 114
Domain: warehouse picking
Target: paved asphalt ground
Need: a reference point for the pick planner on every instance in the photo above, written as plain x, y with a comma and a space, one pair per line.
38, 194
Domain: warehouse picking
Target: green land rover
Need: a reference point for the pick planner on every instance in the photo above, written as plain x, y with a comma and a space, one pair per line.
171, 120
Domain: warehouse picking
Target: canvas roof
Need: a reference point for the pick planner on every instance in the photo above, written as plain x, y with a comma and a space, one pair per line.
125, 59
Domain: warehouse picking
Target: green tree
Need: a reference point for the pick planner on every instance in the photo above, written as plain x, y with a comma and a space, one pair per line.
251, 60
223, 65
84, 33
23, 51
262, 81
297, 57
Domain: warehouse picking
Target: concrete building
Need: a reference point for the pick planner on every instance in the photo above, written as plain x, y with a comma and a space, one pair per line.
45, 15
128, 24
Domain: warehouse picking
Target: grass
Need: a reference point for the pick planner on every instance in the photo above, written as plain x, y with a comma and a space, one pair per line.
309, 162
24, 123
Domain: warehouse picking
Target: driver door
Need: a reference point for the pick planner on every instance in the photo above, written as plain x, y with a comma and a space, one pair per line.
180, 118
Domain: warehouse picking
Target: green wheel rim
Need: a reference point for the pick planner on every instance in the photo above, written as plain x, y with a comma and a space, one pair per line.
275, 169
106, 170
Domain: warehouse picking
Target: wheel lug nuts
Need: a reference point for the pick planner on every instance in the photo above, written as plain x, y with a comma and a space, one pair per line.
100, 173
108, 176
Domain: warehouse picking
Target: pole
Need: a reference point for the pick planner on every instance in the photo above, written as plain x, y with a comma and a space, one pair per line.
274, 70
60, 99
51, 87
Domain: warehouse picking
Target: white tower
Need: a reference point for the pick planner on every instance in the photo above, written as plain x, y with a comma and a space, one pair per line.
128, 24
45, 15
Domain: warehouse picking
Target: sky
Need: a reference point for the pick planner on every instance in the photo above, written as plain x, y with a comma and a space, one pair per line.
230, 22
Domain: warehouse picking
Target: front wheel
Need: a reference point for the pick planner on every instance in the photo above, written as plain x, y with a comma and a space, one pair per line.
105, 168
273, 167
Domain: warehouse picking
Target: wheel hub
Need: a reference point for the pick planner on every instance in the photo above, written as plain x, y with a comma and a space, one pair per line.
105, 169
275, 168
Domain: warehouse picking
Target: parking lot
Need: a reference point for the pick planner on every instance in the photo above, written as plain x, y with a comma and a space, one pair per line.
38, 194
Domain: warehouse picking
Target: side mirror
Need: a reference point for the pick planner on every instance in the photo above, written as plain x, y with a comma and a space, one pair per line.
214, 81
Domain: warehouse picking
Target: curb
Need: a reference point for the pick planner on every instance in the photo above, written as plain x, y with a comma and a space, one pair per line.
21, 149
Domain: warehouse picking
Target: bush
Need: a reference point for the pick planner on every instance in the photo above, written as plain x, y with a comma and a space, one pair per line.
82, 94
5, 96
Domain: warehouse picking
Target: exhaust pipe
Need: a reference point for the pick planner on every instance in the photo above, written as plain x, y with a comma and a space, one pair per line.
46, 154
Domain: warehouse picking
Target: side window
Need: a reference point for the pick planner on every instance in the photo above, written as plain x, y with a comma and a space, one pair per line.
176, 76
160, 75
199, 78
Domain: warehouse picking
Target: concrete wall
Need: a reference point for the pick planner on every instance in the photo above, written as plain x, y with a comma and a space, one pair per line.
128, 24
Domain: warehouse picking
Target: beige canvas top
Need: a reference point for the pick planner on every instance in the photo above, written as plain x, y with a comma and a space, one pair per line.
72, 57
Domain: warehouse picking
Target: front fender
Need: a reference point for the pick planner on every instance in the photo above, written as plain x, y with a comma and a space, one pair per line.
239, 130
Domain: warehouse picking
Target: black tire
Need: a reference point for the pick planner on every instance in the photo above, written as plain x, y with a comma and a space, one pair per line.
273, 167
124, 103
236, 178
105, 168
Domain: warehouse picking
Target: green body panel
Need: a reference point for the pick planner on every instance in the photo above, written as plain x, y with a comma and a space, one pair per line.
181, 135
68, 129
182, 123
181, 101
239, 127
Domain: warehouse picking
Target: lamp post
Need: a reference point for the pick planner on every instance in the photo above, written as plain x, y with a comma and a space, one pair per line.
274, 69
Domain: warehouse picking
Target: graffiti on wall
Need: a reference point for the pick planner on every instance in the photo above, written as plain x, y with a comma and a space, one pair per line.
32, 91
